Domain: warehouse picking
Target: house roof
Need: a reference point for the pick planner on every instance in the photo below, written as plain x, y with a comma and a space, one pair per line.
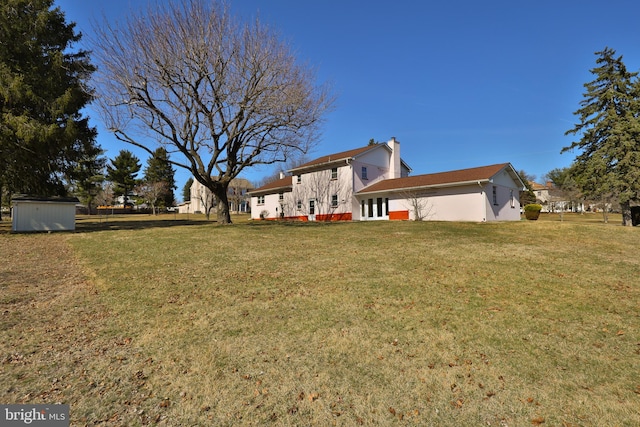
536, 186
240, 183
441, 179
282, 184
336, 157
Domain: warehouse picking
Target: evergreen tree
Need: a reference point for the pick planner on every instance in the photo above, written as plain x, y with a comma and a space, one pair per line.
609, 159
159, 170
527, 196
43, 88
88, 179
122, 173
186, 190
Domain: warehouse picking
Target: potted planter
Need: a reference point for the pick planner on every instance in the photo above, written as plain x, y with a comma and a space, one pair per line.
532, 211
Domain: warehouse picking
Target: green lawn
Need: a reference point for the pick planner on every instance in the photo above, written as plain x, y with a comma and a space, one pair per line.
179, 323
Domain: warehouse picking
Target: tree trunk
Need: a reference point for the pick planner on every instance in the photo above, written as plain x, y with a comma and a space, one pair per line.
220, 191
626, 214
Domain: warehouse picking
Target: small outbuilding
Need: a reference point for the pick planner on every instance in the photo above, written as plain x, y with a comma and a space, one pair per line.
33, 213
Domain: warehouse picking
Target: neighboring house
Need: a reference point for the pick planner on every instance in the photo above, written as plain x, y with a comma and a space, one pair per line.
43, 213
202, 198
373, 183
184, 207
542, 192
553, 199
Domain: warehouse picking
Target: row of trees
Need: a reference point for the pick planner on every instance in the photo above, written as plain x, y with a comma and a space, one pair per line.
155, 189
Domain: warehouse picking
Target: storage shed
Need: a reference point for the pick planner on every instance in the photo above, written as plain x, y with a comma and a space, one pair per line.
32, 213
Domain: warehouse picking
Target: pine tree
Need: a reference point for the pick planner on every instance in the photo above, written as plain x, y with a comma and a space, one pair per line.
122, 172
43, 88
609, 159
186, 190
88, 179
159, 170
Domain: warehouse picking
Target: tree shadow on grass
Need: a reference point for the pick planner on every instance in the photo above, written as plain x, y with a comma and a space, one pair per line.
89, 226
297, 223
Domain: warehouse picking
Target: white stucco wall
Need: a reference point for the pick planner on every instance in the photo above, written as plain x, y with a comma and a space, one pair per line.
508, 203
273, 206
450, 204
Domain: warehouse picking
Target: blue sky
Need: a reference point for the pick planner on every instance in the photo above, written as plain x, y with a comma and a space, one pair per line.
460, 83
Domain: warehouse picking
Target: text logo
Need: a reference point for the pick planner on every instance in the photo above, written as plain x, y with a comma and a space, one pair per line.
34, 415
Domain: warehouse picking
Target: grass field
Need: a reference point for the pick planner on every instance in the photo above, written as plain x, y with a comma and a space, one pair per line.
181, 322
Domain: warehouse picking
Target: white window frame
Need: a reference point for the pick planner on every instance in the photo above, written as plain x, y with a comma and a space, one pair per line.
334, 173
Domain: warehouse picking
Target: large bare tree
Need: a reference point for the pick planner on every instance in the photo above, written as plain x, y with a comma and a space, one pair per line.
223, 94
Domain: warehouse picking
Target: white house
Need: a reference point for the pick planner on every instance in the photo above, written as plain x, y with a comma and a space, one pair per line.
43, 213
373, 183
202, 198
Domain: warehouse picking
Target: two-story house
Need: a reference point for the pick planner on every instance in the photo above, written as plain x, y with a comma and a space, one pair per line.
203, 200
373, 183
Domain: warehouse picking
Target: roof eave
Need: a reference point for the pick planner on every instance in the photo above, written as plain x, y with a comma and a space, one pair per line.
272, 190
318, 166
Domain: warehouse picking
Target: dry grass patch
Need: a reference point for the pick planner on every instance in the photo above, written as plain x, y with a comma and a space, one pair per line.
353, 324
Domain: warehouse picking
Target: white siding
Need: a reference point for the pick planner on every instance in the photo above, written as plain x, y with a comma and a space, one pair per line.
43, 216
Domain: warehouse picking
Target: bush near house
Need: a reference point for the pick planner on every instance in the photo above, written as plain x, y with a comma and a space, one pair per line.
532, 211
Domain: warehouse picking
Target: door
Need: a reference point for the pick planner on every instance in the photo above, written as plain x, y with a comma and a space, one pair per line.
312, 210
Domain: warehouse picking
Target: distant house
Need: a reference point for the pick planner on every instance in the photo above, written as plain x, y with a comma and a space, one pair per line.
31, 213
553, 199
202, 198
373, 183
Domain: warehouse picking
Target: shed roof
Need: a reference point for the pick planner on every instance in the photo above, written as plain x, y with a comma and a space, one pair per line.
55, 199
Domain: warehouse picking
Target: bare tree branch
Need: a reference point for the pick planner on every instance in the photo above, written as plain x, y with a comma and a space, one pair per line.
225, 95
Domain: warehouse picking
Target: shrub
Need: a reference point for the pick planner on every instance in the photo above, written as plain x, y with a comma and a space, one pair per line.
532, 211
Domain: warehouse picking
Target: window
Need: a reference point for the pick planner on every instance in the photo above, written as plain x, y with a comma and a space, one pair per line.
379, 206
386, 207
495, 195
261, 200
513, 201
298, 179
334, 201
362, 209
364, 172
299, 205
370, 213
280, 196
334, 173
